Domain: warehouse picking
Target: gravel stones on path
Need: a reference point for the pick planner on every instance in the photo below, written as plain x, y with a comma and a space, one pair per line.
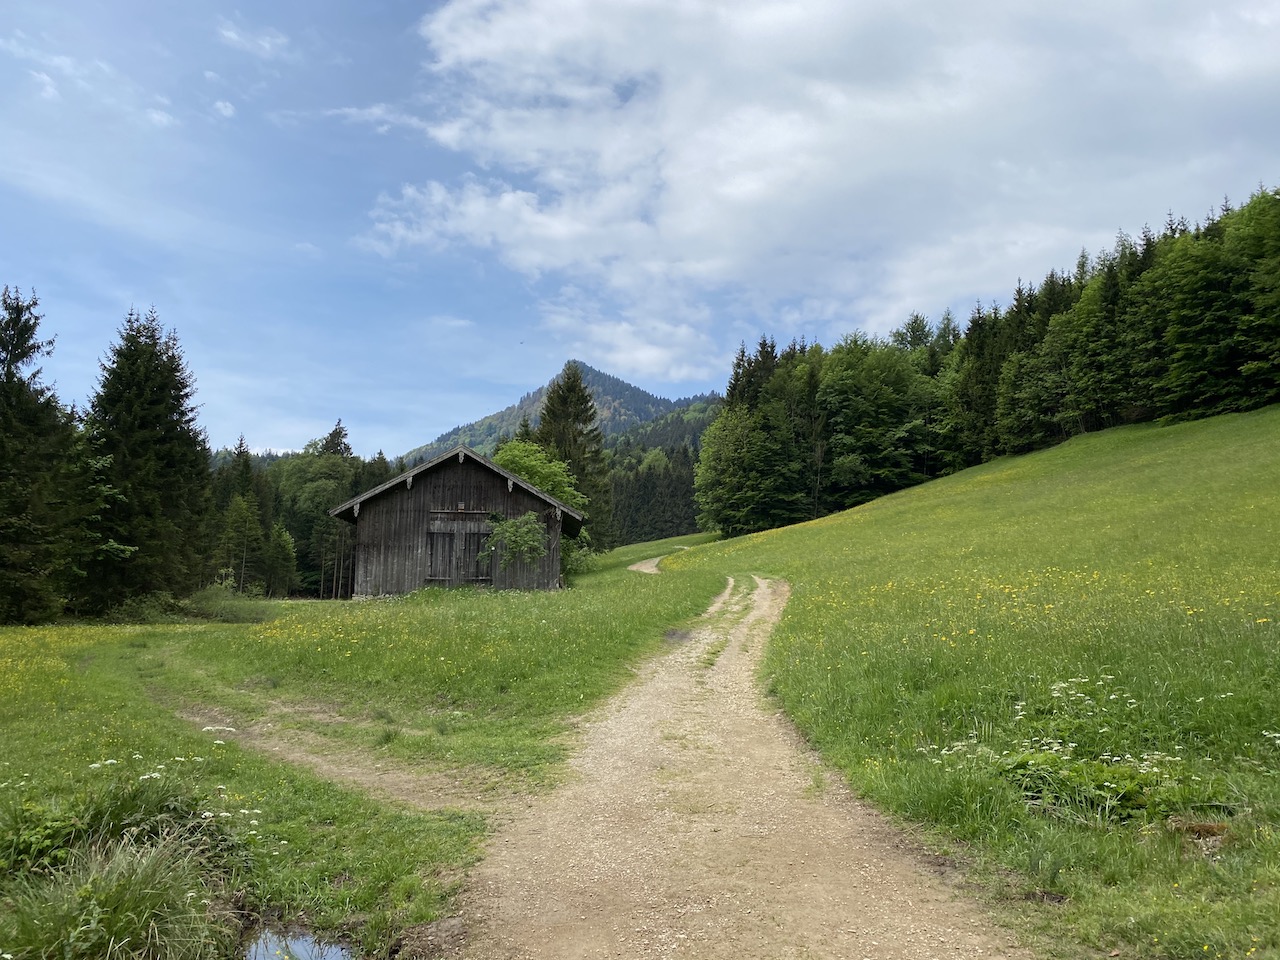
696, 824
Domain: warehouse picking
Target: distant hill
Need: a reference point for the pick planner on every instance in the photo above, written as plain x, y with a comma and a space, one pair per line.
621, 407
682, 427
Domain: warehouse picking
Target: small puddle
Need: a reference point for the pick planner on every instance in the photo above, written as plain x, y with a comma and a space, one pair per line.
273, 945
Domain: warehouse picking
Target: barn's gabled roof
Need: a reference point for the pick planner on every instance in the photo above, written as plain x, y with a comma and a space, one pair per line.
571, 519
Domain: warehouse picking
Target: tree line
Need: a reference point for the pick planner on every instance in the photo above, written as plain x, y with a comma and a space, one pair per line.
124, 500
106, 503
1179, 325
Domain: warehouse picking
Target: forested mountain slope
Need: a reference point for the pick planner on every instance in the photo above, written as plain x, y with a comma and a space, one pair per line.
619, 406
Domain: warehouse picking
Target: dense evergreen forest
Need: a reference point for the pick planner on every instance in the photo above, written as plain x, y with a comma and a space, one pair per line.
1179, 325
123, 502
651, 473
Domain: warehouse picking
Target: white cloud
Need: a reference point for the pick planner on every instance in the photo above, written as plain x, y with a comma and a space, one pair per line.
90, 81
265, 44
443, 321
225, 109
381, 117
48, 89
653, 340
814, 161
17, 46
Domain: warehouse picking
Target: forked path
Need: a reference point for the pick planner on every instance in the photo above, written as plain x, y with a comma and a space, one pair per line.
696, 824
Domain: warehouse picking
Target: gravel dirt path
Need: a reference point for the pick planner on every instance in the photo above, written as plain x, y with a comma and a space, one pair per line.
696, 824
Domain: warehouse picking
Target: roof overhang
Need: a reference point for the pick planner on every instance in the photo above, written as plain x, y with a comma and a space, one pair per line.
571, 520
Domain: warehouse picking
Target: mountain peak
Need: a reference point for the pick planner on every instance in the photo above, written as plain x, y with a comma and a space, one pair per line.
619, 405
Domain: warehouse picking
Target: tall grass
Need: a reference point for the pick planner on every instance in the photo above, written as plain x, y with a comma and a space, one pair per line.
128, 868
121, 901
1069, 662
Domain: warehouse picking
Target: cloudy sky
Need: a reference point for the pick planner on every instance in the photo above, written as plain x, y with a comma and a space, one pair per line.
408, 214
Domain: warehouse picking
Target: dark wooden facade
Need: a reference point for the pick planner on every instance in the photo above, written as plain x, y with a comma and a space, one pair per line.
429, 527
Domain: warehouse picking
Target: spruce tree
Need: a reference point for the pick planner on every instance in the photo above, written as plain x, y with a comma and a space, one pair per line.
279, 562
36, 443
143, 416
240, 545
569, 431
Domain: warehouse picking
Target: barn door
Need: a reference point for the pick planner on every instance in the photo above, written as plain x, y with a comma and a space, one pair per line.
478, 559
441, 569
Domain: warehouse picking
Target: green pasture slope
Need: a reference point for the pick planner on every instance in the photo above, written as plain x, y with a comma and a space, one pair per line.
1070, 663
107, 730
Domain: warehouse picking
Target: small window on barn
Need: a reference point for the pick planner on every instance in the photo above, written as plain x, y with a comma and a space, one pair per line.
461, 506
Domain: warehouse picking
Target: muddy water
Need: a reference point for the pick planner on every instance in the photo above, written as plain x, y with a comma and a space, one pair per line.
274, 945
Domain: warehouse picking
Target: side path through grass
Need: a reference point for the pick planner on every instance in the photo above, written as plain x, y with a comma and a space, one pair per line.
1070, 663
105, 789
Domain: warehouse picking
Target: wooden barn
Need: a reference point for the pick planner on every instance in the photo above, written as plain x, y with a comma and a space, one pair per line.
428, 527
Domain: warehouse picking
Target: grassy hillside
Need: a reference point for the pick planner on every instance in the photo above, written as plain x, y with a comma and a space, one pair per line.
1071, 662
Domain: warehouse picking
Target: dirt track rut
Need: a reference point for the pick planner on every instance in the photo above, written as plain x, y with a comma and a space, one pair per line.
695, 824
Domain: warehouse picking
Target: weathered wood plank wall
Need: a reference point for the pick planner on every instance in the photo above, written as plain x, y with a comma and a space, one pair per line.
432, 533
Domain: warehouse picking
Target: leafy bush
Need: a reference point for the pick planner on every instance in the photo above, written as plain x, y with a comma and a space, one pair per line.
148, 608
225, 605
522, 539
576, 557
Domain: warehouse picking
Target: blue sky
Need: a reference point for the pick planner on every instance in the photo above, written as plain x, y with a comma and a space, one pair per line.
407, 215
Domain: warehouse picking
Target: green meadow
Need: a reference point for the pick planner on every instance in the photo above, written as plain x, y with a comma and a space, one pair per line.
481, 685
1066, 667
1062, 669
